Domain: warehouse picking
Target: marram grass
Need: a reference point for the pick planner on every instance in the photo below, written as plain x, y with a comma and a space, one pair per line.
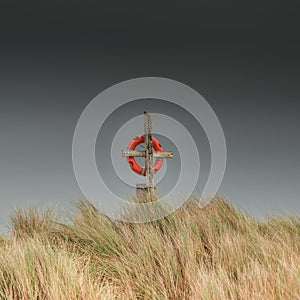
213, 253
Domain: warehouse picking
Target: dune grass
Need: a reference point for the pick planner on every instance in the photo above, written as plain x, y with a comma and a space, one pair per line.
213, 253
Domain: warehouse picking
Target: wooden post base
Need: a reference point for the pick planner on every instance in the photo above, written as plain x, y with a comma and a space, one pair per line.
143, 193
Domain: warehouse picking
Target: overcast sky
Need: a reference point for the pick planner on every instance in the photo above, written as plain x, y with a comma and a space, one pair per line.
241, 56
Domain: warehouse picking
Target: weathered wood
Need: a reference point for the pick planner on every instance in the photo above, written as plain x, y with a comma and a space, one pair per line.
126, 153
144, 194
149, 153
147, 192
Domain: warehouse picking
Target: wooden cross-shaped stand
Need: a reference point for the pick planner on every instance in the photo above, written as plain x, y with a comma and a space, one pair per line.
147, 190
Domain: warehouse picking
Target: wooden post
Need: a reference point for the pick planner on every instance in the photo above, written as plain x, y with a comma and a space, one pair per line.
147, 192
149, 156
142, 193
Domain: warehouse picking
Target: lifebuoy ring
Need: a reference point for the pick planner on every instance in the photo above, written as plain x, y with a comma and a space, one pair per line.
132, 162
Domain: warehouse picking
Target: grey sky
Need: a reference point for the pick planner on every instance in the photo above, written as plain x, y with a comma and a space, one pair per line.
55, 57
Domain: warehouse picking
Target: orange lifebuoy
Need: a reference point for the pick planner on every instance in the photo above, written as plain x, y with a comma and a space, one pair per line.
132, 162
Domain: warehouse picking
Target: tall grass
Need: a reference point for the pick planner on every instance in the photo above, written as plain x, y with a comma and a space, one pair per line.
213, 253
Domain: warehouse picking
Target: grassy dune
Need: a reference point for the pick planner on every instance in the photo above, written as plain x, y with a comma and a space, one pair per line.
212, 253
